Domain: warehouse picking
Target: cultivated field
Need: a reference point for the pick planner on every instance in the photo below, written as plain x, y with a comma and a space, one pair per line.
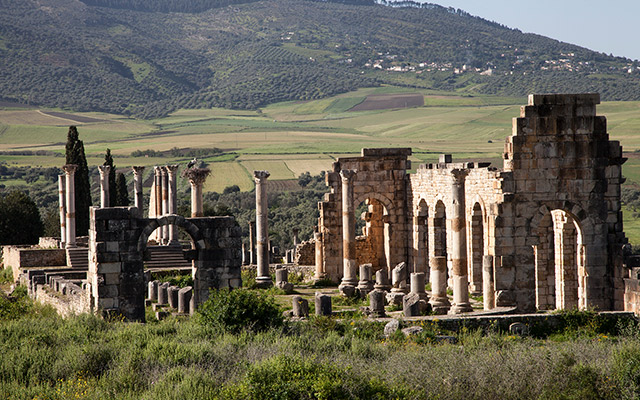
291, 138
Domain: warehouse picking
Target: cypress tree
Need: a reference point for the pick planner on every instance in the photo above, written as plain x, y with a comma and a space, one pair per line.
121, 193
75, 155
108, 160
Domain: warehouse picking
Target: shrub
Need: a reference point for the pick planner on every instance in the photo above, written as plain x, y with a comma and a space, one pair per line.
235, 310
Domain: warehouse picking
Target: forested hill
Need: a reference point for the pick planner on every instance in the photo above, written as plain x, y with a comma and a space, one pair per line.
149, 57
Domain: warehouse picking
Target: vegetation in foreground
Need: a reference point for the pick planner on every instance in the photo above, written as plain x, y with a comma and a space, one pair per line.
47, 357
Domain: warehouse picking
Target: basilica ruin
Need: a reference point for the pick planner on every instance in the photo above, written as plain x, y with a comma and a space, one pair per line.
543, 232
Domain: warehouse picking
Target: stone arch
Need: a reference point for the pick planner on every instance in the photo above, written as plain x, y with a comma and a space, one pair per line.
375, 249
178, 220
558, 233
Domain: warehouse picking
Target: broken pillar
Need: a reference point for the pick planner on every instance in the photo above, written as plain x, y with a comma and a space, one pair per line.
137, 189
439, 300
323, 304
104, 185
70, 170
263, 279
300, 307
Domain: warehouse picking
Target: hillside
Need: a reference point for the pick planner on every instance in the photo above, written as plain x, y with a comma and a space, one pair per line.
106, 55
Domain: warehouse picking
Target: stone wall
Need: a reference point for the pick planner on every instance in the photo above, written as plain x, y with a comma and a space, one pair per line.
18, 257
542, 232
73, 301
305, 253
118, 239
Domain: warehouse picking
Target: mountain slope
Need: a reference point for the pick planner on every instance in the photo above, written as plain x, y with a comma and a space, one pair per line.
68, 54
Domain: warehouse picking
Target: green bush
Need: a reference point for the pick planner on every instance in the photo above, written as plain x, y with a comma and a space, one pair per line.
285, 377
237, 310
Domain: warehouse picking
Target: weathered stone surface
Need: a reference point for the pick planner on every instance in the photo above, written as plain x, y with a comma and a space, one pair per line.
391, 327
376, 304
323, 304
300, 307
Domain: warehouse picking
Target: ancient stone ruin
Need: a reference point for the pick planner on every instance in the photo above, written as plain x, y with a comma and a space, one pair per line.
542, 232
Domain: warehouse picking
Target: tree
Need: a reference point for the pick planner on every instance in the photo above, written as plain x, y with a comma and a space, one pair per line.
75, 155
121, 192
108, 160
20, 221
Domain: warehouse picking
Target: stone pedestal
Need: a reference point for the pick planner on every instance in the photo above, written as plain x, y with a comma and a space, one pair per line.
382, 281
104, 185
323, 304
418, 285
411, 305
172, 296
70, 170
349, 280
488, 290
263, 279
282, 280
439, 300
365, 284
376, 304
185, 296
163, 297
300, 307
152, 293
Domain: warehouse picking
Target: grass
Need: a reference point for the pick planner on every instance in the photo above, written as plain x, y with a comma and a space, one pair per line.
45, 356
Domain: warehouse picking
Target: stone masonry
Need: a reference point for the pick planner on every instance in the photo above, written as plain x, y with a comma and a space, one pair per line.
542, 232
117, 243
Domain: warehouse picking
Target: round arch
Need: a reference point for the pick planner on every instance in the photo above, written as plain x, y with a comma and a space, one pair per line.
153, 224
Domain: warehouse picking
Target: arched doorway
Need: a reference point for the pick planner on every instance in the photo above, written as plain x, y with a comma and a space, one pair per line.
373, 243
560, 262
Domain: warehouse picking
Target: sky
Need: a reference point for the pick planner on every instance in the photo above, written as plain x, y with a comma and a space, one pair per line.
608, 26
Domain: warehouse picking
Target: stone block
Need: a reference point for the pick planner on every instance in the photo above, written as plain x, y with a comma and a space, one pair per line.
323, 304
109, 268
300, 307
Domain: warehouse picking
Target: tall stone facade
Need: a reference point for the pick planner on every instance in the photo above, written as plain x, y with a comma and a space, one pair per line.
543, 232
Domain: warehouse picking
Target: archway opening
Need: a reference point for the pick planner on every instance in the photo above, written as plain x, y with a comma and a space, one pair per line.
372, 242
476, 250
420, 239
437, 243
559, 259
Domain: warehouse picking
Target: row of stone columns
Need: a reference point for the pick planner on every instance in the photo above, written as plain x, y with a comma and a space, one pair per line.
163, 198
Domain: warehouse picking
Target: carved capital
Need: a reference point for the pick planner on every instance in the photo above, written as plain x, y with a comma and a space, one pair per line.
104, 170
157, 170
261, 176
69, 169
138, 170
171, 169
459, 174
347, 175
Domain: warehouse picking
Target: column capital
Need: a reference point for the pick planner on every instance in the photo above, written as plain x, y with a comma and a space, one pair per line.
261, 176
171, 169
347, 175
104, 170
138, 169
69, 169
459, 174
197, 176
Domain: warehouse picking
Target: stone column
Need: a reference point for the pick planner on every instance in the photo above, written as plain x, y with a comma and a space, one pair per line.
137, 187
419, 248
488, 292
173, 201
165, 202
459, 245
104, 185
197, 177
263, 279
295, 237
439, 300
320, 272
70, 170
157, 197
252, 243
63, 210
348, 233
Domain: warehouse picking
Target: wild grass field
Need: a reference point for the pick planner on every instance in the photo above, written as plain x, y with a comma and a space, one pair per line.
291, 138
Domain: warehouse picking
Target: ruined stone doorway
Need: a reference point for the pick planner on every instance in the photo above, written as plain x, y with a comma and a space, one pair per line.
560, 263
374, 240
420, 239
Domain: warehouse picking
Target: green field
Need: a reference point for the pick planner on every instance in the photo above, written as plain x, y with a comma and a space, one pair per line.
291, 138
